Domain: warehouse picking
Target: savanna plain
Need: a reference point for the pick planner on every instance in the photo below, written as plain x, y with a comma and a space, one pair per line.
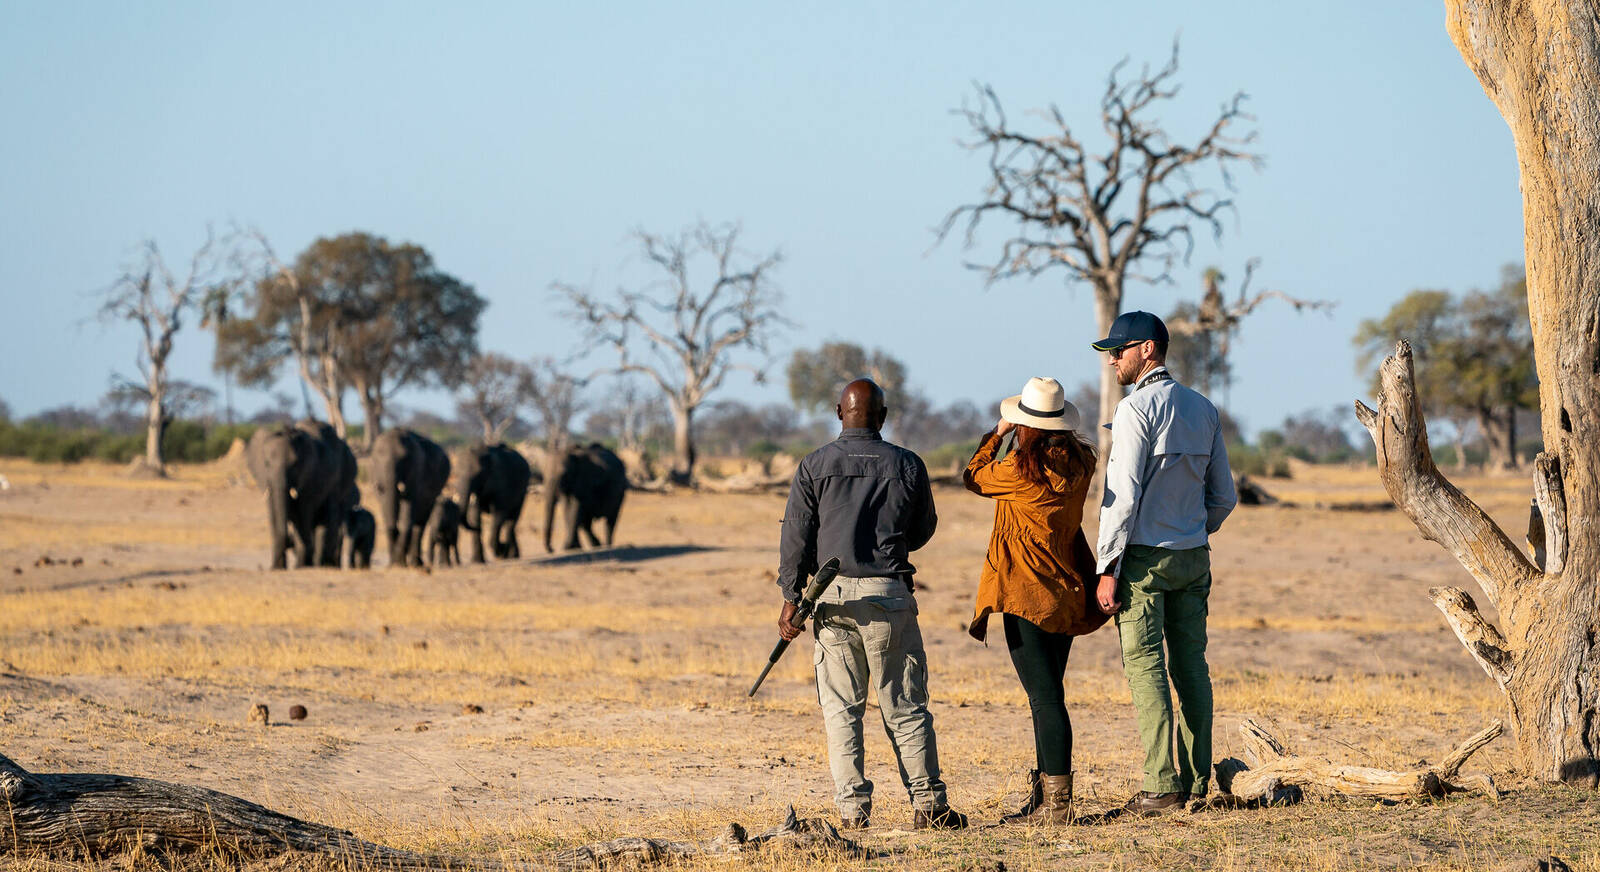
514, 709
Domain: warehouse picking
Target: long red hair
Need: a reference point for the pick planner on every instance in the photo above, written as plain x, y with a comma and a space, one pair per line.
1067, 452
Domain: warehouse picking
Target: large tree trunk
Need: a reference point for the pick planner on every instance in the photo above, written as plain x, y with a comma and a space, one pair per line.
1546, 660
153, 460
1539, 61
372, 413
682, 444
1107, 306
1499, 440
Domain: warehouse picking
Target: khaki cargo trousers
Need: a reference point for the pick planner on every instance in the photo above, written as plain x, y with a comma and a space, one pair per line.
867, 634
1165, 597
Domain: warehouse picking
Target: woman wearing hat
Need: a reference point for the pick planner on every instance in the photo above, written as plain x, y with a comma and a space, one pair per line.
1040, 571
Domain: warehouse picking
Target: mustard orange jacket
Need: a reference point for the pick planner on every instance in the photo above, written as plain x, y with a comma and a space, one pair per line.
1039, 567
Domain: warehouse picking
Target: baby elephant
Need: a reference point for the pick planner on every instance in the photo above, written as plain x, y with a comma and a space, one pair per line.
444, 528
362, 531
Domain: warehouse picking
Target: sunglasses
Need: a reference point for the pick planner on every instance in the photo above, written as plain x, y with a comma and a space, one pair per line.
1116, 353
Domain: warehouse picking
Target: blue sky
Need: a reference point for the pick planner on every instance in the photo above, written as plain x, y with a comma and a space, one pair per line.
520, 143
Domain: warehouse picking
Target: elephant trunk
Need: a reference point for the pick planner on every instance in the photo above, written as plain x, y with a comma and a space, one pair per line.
471, 510
389, 506
552, 492
278, 517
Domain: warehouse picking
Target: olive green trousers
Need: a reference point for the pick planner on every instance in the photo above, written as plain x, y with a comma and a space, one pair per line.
1164, 595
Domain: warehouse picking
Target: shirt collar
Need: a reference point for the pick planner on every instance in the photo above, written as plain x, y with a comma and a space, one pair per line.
860, 433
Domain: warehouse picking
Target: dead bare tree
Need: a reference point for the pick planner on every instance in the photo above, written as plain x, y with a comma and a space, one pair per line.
493, 387
1127, 212
550, 389
690, 326
1530, 57
150, 295
1214, 321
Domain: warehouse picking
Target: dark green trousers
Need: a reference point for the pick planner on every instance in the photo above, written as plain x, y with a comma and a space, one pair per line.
1164, 595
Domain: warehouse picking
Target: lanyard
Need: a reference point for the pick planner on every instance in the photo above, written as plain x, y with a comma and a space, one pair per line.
1152, 378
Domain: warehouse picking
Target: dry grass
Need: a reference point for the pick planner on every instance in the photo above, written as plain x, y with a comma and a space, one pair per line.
615, 690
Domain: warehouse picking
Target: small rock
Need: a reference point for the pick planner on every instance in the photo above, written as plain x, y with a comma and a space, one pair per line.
297, 713
472, 708
420, 728
16, 570
258, 714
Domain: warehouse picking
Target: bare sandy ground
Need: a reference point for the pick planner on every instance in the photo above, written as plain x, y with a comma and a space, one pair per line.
138, 626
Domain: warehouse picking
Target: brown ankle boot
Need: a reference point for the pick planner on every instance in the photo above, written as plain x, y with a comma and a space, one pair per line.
1055, 803
1035, 797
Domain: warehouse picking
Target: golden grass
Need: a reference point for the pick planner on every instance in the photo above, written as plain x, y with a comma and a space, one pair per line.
566, 660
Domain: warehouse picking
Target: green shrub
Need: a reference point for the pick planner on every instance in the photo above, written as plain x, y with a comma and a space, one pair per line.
950, 454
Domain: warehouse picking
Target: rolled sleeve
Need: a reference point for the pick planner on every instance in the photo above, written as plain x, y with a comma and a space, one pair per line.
984, 477
1130, 445
797, 548
1220, 494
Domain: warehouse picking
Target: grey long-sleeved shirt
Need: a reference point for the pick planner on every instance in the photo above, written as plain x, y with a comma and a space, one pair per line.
1167, 481
860, 499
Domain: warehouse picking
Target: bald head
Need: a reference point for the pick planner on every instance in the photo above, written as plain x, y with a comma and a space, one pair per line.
861, 405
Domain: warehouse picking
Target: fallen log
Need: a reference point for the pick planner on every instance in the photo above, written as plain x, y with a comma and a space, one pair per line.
1272, 770
90, 816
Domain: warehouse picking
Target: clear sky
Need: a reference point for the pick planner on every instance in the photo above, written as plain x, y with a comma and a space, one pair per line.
520, 142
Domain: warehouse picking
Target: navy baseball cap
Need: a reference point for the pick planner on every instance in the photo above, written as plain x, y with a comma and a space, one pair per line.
1131, 327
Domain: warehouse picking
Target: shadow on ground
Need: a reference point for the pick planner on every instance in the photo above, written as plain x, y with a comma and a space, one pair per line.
619, 554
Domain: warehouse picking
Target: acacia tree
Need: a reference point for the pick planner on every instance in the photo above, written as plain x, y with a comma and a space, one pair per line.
1538, 61
358, 313
817, 377
150, 295
1126, 212
1473, 357
493, 388
690, 325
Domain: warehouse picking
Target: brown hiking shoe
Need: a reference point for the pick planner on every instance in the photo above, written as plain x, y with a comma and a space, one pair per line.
1035, 798
1147, 803
1055, 805
938, 819
856, 821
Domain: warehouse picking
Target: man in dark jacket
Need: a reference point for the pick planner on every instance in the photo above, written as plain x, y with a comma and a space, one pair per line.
868, 503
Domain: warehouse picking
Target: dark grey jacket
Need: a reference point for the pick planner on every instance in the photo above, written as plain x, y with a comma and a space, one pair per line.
860, 499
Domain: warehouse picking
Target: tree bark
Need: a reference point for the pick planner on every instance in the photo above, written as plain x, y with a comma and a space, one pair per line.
154, 419
84, 815
1539, 61
1107, 306
682, 444
1545, 658
1272, 768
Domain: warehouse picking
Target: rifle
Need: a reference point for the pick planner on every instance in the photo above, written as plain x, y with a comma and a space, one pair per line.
808, 604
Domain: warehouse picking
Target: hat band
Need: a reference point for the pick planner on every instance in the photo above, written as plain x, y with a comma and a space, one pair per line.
1037, 414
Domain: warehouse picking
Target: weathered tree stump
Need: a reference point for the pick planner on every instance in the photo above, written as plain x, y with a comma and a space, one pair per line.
93, 815
1273, 770
86, 816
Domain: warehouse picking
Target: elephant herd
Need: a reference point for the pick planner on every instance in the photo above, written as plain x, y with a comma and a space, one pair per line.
314, 506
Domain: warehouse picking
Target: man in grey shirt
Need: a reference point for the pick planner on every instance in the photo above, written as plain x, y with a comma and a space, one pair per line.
868, 503
1168, 488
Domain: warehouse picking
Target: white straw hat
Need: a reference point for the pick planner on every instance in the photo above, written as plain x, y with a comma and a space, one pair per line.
1043, 405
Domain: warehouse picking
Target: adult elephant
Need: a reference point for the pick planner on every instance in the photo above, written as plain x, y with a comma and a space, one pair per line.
306, 470
491, 481
333, 520
590, 483
408, 471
